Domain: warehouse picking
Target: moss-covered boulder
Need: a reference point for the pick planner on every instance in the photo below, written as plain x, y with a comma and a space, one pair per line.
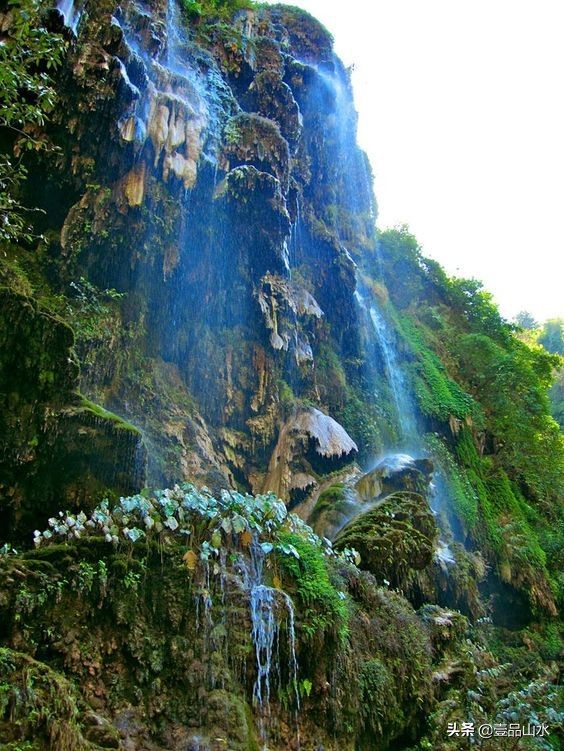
394, 539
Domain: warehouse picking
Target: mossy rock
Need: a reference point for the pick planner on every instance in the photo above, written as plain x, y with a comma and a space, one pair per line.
256, 140
40, 709
394, 539
56, 448
274, 100
302, 35
332, 509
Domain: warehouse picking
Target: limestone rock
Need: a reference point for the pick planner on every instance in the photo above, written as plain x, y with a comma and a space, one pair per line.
395, 472
306, 428
394, 539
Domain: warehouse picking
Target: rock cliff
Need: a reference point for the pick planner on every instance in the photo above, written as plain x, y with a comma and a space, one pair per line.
202, 302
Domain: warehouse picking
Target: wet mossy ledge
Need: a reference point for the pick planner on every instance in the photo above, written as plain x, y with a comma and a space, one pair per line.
175, 619
95, 411
152, 612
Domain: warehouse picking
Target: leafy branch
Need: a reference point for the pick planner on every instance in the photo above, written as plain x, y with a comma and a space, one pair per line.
29, 54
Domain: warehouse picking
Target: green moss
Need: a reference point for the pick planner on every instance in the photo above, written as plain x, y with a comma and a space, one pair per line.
394, 539
333, 494
286, 396
466, 450
439, 395
38, 704
117, 422
379, 702
324, 609
463, 495
362, 420
331, 510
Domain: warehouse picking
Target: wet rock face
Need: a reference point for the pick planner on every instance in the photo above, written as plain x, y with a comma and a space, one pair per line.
56, 449
396, 472
395, 538
207, 163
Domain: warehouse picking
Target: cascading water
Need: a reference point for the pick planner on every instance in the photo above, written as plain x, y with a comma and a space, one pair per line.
354, 179
403, 402
174, 104
270, 608
70, 14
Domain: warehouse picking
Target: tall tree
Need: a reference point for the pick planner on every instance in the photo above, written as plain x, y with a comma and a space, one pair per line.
29, 53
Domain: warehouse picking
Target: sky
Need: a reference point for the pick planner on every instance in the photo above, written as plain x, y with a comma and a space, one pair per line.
461, 113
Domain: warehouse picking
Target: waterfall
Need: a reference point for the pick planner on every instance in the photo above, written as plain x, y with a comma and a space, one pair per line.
402, 399
401, 395
355, 203
270, 608
70, 14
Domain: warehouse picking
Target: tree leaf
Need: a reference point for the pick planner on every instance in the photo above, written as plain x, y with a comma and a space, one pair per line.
190, 559
216, 539
246, 538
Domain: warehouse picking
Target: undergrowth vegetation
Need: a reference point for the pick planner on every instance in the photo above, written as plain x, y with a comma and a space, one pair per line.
483, 393
204, 9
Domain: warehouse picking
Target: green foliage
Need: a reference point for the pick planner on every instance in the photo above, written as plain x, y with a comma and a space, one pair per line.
506, 526
333, 494
204, 9
378, 693
439, 395
556, 396
552, 336
394, 539
286, 397
511, 384
29, 54
466, 449
105, 414
325, 608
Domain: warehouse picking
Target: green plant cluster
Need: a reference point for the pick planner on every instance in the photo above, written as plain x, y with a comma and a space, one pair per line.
324, 606
201, 521
511, 383
208, 9
29, 55
439, 396
495, 684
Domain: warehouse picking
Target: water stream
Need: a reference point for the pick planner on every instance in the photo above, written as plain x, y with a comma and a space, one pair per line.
382, 339
270, 609
70, 14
